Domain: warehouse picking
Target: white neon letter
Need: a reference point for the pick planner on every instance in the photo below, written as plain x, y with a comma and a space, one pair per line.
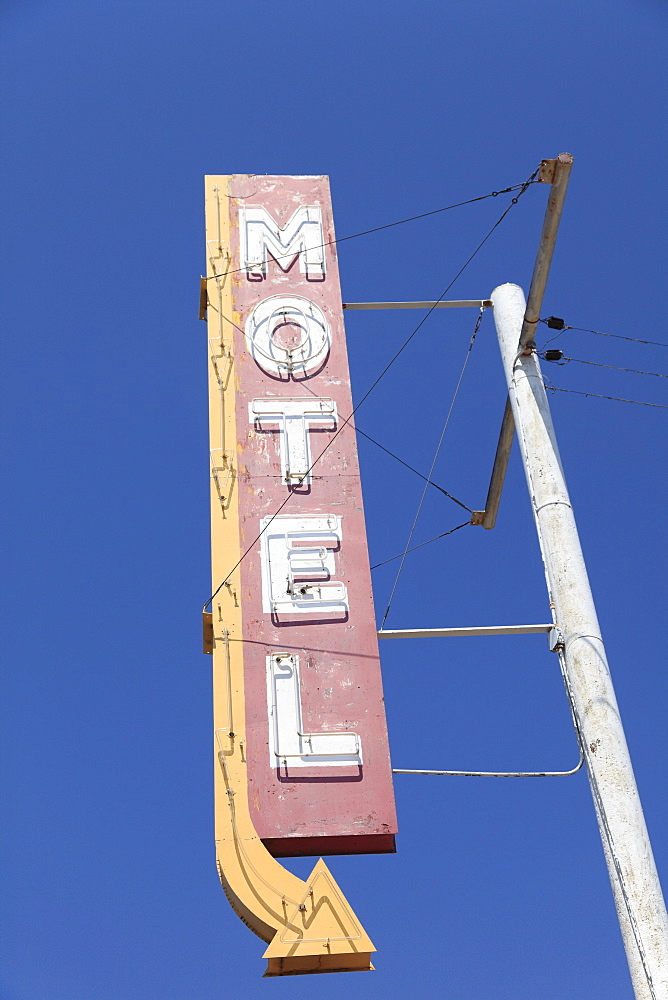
294, 417
289, 745
302, 235
298, 566
287, 334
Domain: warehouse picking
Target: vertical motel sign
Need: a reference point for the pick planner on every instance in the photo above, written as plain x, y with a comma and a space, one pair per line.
302, 756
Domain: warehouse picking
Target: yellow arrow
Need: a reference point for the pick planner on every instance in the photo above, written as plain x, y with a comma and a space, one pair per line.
310, 925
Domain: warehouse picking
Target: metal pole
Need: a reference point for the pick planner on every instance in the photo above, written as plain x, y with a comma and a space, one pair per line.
635, 883
548, 237
497, 479
557, 173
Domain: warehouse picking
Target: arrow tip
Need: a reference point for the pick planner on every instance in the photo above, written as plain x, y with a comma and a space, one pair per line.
321, 934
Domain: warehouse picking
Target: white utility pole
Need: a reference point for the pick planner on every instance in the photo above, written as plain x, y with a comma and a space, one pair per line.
628, 853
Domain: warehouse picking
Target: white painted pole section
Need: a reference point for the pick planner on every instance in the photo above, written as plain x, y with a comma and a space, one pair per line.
628, 853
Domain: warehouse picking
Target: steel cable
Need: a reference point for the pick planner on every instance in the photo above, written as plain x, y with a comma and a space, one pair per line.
373, 385
400, 222
436, 454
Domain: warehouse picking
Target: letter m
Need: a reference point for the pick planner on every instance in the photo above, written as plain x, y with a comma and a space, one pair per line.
302, 235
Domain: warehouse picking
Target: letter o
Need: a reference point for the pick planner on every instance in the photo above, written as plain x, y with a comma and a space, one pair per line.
288, 334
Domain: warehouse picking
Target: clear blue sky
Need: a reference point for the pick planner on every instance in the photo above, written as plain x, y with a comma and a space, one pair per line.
113, 112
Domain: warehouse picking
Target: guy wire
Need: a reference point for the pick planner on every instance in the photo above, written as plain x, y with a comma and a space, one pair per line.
373, 385
436, 453
400, 222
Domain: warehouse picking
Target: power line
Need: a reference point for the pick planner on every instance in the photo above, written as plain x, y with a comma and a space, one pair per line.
596, 395
618, 336
373, 385
428, 542
400, 222
563, 360
556, 323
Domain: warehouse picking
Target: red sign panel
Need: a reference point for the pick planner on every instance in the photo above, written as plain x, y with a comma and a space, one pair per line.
319, 775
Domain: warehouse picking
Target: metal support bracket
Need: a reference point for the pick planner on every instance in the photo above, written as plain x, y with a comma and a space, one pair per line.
203, 298
556, 172
437, 633
439, 304
207, 632
556, 641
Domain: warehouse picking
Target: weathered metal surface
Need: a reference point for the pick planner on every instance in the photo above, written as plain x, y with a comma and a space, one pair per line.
546, 172
203, 298
304, 796
309, 924
636, 888
501, 458
207, 632
556, 172
548, 238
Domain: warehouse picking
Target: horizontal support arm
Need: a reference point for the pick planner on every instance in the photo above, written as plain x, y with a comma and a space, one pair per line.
437, 633
454, 304
496, 774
